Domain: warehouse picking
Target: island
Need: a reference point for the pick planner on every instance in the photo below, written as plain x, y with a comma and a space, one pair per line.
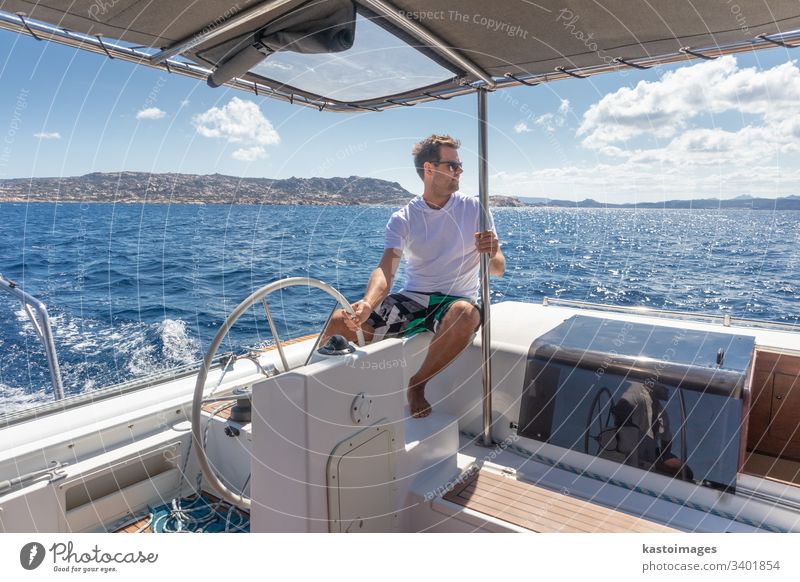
172, 188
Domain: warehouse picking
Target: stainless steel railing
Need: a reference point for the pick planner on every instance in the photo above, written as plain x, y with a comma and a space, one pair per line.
41, 325
726, 320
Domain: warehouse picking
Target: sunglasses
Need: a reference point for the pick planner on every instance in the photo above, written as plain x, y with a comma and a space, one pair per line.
452, 165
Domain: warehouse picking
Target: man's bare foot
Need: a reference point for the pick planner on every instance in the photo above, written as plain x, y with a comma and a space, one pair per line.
417, 405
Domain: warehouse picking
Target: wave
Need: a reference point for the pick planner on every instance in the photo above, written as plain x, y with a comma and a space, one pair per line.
140, 292
13, 399
92, 354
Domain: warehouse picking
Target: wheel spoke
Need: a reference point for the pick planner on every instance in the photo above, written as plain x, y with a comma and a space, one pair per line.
275, 335
233, 498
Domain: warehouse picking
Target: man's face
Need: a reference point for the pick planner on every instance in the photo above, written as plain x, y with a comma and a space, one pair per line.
444, 179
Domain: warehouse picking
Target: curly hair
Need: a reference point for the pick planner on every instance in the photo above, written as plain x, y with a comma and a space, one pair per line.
428, 150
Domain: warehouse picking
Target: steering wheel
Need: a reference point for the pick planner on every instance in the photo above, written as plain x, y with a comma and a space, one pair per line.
599, 420
197, 402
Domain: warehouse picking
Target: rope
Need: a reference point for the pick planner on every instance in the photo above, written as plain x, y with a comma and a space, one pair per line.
198, 514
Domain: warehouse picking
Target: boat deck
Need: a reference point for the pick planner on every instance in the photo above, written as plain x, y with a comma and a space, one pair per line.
144, 524
541, 510
140, 526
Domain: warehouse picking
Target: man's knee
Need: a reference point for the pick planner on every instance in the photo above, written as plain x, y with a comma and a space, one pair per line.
463, 315
338, 326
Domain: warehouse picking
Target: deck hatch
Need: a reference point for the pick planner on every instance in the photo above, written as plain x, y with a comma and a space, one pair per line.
654, 397
361, 482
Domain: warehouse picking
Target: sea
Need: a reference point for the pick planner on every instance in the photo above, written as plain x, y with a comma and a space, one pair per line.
133, 290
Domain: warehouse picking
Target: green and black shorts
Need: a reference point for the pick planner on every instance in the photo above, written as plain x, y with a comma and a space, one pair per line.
411, 312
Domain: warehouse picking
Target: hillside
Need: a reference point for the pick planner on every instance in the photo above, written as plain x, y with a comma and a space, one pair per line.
143, 187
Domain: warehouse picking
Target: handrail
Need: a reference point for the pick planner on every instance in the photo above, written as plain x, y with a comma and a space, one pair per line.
42, 329
54, 472
725, 320
212, 30
417, 30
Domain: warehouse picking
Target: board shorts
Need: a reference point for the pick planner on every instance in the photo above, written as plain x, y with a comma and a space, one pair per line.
411, 312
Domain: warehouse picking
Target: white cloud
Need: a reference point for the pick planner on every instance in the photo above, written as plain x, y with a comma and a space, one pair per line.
185, 103
549, 121
47, 135
151, 113
239, 121
552, 121
273, 64
250, 154
654, 181
664, 108
522, 127
708, 130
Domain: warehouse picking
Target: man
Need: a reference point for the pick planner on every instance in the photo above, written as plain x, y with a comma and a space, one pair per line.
649, 445
437, 233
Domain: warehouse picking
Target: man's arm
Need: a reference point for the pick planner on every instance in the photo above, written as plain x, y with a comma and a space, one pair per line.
497, 264
380, 283
486, 242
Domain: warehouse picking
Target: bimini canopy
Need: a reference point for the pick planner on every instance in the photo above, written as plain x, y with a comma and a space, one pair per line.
373, 54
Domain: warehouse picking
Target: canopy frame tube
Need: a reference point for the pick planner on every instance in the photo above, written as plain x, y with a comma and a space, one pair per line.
210, 31
420, 32
112, 49
486, 328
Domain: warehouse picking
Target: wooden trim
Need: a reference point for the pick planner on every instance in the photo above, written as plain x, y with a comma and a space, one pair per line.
783, 471
223, 414
537, 509
289, 342
465, 480
774, 414
134, 527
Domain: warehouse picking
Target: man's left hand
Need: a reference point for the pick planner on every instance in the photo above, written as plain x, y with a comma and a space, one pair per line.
486, 242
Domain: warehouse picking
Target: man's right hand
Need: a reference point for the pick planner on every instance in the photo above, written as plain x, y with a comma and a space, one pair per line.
362, 312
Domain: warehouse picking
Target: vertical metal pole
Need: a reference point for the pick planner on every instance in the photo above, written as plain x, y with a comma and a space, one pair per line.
41, 325
52, 359
486, 335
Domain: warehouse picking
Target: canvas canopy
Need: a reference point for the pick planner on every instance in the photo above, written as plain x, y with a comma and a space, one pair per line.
450, 47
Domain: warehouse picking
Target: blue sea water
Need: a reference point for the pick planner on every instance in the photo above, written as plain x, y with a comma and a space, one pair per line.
135, 289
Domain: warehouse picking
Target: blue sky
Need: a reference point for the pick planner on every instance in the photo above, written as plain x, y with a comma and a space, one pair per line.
721, 128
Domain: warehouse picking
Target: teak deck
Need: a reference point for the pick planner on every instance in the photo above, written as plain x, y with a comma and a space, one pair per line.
540, 510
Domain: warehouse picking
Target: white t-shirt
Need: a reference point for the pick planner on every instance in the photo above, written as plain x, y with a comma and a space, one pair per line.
439, 245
